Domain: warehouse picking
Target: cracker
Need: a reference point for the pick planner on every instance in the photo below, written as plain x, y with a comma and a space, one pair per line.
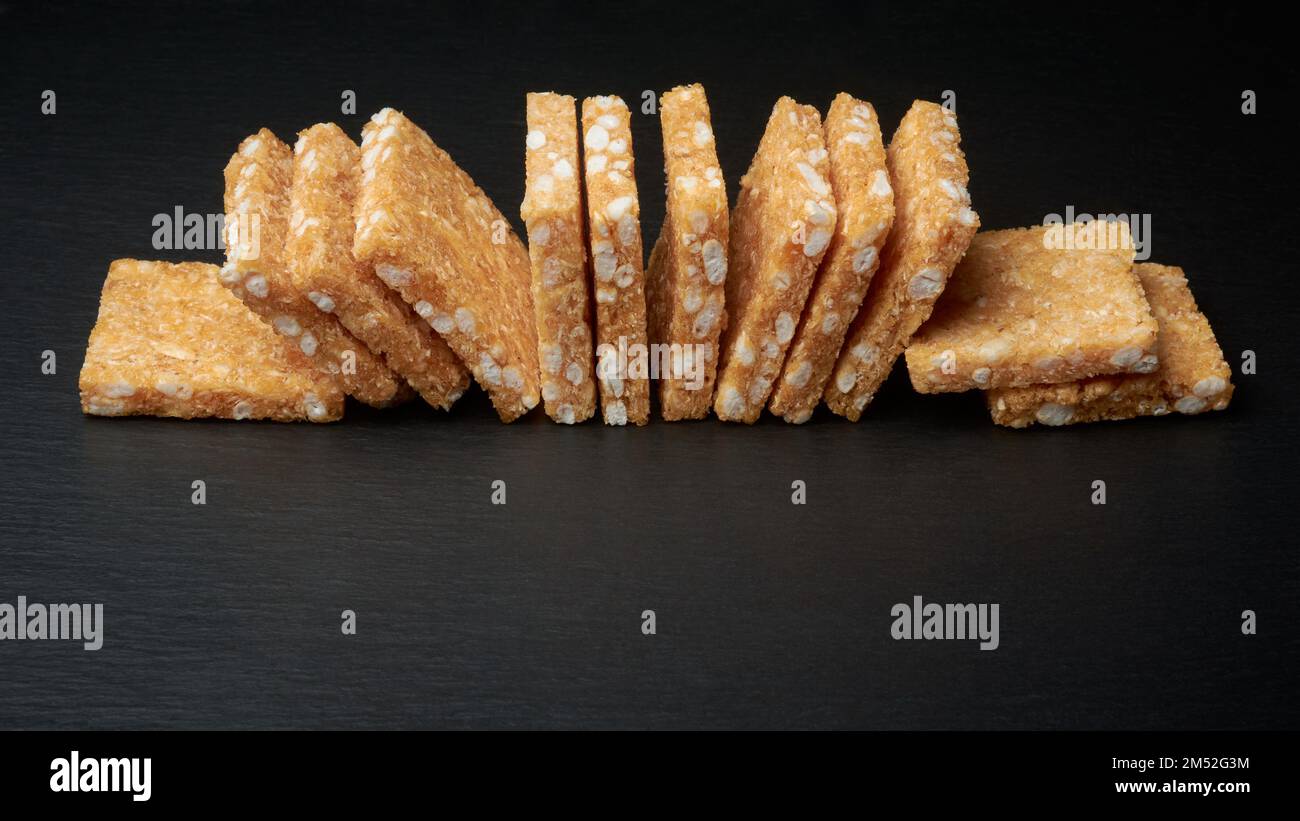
864, 201
1191, 377
171, 341
326, 175
780, 228
552, 215
429, 232
1025, 308
258, 179
685, 294
614, 225
933, 225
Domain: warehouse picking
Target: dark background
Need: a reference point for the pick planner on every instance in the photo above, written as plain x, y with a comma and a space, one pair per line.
769, 615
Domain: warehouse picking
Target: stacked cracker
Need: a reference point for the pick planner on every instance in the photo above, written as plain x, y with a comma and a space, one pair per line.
1066, 332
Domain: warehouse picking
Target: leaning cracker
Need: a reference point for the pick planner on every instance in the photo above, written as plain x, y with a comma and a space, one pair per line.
258, 180
326, 175
688, 264
864, 201
780, 228
933, 225
1026, 308
429, 232
614, 224
171, 341
1191, 377
552, 215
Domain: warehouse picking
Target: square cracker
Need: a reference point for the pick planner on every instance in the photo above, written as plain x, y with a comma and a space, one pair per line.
933, 226
685, 294
780, 228
429, 232
1025, 308
864, 201
552, 215
258, 224
171, 341
1191, 376
326, 175
614, 229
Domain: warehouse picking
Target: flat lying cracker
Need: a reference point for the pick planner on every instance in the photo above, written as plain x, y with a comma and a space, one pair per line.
614, 224
171, 341
933, 225
428, 231
780, 228
864, 201
258, 180
326, 175
1191, 377
685, 278
1025, 309
552, 215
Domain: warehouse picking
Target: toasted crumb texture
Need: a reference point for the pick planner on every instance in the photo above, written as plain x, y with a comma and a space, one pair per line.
552, 215
1191, 377
780, 228
864, 202
326, 175
1024, 308
687, 272
614, 229
258, 224
933, 226
171, 341
429, 232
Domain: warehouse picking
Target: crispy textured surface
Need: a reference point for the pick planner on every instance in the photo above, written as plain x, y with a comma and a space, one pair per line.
685, 277
428, 231
780, 228
326, 175
933, 225
1192, 375
171, 341
258, 181
614, 227
864, 201
1025, 309
552, 215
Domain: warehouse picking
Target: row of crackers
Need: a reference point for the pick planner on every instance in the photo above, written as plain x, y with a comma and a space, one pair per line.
383, 272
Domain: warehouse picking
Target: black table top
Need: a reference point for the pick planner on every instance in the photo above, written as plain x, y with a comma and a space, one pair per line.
768, 614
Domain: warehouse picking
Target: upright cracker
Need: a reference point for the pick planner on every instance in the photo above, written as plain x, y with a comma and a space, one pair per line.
865, 204
1192, 375
685, 295
258, 181
552, 215
1026, 308
326, 176
428, 231
171, 341
933, 225
780, 228
614, 225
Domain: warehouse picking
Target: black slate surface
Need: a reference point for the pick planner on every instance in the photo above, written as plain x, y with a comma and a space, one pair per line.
768, 614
